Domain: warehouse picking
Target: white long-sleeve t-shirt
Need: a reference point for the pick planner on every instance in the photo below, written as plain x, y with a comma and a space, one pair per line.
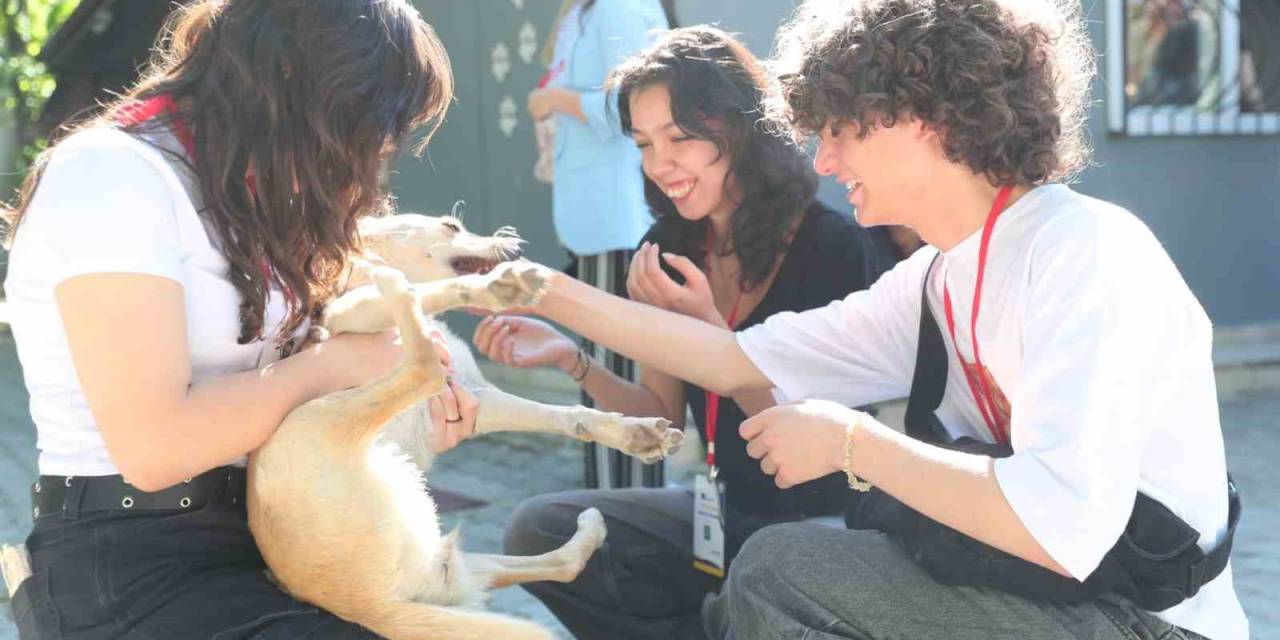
1100, 347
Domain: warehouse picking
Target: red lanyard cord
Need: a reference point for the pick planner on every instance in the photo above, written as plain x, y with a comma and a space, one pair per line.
164, 104
154, 107
977, 384
713, 399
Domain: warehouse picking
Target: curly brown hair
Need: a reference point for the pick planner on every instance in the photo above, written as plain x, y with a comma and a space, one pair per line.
1006, 83
315, 96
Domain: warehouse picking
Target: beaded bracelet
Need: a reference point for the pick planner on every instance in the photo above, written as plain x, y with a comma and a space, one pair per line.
855, 483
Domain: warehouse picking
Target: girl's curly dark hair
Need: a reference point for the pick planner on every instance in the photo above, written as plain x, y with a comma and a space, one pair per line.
715, 79
1006, 83
315, 96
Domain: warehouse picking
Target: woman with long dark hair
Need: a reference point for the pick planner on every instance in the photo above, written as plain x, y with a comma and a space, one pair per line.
736, 221
166, 256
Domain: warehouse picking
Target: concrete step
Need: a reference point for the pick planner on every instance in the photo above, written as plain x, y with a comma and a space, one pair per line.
1246, 359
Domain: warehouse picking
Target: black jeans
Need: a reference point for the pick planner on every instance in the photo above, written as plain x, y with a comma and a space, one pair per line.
159, 575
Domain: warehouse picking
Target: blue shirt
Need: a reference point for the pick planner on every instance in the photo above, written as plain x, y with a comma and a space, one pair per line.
598, 198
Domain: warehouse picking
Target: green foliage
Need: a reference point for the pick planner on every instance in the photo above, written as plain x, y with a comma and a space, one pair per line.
25, 27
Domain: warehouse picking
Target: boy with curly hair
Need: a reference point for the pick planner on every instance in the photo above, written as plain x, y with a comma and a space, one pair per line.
1076, 351
1067, 478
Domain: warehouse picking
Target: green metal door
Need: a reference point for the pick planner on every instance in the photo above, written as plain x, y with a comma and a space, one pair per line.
483, 156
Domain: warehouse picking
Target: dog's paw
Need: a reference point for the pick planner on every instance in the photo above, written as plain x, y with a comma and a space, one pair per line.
591, 528
650, 439
516, 284
317, 334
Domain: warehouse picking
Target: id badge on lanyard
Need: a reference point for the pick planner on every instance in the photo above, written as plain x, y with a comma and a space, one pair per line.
708, 525
709, 504
709, 489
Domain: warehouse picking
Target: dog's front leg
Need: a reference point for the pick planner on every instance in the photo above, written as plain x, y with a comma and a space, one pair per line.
509, 285
649, 439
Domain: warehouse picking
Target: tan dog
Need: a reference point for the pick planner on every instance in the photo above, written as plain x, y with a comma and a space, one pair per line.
337, 502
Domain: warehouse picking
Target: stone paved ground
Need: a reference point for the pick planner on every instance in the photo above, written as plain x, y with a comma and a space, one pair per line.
503, 470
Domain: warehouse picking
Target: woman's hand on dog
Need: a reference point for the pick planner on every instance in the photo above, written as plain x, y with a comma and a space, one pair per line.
358, 359
453, 414
648, 283
524, 343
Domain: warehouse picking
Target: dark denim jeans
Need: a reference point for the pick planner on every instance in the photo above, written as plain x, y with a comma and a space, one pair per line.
822, 583
799, 580
159, 576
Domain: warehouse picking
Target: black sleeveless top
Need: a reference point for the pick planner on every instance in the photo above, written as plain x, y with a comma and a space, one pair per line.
829, 258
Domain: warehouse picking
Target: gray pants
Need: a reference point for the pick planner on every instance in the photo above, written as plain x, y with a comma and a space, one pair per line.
641, 585
810, 582
795, 581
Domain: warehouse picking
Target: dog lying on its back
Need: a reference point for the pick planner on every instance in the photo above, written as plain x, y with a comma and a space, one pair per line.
337, 502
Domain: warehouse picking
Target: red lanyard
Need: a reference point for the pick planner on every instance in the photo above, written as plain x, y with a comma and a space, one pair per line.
153, 107
978, 384
713, 399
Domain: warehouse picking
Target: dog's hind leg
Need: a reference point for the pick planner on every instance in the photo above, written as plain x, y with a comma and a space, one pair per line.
418, 376
561, 565
649, 439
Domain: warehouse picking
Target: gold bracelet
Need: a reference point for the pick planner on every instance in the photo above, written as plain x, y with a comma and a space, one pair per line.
855, 483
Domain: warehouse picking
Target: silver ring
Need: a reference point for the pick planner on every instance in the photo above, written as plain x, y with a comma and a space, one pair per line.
127, 502
185, 502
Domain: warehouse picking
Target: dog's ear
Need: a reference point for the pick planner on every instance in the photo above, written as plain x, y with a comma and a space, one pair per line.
385, 234
383, 228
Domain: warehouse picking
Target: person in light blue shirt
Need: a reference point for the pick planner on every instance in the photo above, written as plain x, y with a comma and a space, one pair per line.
598, 204
598, 196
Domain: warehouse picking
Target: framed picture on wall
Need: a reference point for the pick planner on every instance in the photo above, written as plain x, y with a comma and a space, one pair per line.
1193, 67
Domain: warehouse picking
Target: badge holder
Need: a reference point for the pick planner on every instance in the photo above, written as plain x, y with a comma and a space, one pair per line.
708, 524
709, 489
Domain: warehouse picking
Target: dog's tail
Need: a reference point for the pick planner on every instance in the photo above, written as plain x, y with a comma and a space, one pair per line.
418, 621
